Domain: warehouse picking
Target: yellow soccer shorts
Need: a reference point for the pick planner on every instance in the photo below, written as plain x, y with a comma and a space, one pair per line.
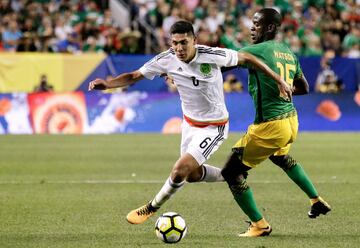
266, 139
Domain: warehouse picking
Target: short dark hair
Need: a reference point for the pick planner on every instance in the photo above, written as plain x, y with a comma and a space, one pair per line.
271, 16
182, 27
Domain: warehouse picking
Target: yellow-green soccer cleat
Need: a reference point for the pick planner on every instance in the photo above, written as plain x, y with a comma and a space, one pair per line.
255, 231
141, 214
319, 207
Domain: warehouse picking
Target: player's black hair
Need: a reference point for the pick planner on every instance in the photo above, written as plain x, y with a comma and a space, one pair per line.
270, 16
182, 27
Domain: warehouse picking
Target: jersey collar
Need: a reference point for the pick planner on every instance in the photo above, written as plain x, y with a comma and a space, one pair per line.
196, 55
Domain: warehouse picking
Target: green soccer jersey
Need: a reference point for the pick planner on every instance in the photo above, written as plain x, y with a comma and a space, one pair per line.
264, 91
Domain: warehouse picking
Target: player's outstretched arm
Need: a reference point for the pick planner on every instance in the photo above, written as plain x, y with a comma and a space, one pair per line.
122, 80
300, 86
249, 59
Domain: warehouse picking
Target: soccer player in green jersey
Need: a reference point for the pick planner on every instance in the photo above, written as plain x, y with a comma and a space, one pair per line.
275, 127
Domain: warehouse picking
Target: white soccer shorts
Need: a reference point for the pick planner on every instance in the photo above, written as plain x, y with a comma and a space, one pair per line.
201, 143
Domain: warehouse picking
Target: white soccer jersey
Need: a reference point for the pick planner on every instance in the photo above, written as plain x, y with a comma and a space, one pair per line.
199, 82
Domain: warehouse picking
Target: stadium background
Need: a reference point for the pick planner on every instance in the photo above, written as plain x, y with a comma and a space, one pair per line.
75, 190
73, 42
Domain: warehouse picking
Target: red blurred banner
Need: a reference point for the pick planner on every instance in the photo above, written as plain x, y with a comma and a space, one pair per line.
58, 113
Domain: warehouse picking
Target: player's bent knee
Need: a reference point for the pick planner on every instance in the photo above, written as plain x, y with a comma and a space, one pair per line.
285, 162
180, 173
230, 169
232, 165
184, 166
182, 169
235, 172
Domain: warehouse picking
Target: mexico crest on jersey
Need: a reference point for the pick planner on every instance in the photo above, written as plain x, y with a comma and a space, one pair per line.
205, 69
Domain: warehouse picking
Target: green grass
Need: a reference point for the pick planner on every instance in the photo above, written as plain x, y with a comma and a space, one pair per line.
75, 191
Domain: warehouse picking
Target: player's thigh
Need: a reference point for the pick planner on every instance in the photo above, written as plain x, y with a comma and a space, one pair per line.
254, 151
186, 135
263, 140
292, 125
205, 141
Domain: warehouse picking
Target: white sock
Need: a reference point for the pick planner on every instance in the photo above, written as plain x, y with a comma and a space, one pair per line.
168, 189
211, 174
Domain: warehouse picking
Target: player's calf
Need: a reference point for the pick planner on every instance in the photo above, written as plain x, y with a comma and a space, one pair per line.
285, 162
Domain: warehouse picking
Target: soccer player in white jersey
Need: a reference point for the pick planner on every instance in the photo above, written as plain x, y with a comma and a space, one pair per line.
196, 72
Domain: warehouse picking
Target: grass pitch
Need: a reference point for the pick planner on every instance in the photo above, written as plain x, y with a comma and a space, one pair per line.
75, 191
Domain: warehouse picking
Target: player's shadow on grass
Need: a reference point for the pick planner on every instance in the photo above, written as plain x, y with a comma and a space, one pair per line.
314, 236
79, 239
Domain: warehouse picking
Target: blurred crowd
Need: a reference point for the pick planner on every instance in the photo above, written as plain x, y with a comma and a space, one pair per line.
68, 26
310, 27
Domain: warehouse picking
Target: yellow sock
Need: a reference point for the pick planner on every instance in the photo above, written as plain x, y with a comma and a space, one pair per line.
314, 200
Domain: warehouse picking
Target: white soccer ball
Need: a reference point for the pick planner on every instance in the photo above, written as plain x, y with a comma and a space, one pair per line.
170, 227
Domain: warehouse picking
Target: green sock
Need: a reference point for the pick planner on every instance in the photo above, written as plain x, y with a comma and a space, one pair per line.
247, 203
298, 175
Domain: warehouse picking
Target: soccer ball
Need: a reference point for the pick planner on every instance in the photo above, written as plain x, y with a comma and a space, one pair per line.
170, 227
